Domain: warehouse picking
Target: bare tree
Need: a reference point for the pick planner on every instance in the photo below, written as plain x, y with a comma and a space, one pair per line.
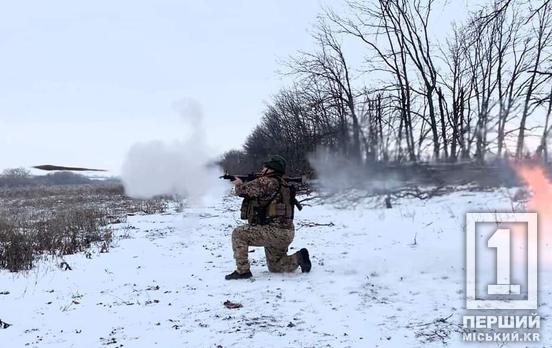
329, 64
418, 101
542, 30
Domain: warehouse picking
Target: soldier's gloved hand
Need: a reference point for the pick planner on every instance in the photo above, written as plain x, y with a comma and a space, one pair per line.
237, 182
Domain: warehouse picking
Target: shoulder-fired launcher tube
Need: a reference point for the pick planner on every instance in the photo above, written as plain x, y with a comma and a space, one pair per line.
250, 177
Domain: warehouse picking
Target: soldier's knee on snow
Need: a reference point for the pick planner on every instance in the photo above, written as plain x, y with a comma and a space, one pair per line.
273, 269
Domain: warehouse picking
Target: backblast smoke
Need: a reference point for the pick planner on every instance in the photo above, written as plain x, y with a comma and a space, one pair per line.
176, 167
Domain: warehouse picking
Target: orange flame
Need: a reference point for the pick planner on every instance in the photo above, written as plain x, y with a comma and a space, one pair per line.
538, 182
540, 186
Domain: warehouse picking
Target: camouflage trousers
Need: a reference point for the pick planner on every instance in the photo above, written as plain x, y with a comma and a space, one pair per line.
275, 241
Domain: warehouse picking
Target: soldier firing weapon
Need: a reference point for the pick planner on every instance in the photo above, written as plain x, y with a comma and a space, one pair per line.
268, 205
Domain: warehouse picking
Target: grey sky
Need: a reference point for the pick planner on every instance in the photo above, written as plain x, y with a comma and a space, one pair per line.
80, 82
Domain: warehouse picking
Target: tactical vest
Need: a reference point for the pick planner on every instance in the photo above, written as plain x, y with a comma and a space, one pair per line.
279, 208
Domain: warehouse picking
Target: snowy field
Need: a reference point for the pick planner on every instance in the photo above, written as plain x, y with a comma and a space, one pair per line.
380, 278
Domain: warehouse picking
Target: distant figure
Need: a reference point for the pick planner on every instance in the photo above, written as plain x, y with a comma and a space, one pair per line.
268, 208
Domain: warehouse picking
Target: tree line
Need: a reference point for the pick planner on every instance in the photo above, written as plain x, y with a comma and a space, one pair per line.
22, 177
481, 93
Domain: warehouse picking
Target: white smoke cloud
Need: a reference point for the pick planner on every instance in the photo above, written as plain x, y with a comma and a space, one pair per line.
178, 166
335, 173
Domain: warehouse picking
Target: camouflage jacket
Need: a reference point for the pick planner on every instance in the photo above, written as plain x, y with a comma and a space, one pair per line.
262, 189
259, 193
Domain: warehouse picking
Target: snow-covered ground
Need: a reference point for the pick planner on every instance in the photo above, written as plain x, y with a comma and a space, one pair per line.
380, 278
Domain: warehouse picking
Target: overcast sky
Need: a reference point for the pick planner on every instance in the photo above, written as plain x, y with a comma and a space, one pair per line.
80, 82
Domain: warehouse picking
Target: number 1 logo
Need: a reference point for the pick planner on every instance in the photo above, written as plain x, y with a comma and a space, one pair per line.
501, 241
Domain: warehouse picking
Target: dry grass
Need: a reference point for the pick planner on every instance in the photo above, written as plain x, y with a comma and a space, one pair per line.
62, 220
16, 247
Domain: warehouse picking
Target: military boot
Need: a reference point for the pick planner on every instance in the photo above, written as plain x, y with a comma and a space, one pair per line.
236, 275
304, 260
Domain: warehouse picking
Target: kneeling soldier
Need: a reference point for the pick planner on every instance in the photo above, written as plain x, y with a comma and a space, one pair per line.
268, 208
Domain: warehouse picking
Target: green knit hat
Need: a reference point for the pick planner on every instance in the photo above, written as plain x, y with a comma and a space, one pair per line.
277, 163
